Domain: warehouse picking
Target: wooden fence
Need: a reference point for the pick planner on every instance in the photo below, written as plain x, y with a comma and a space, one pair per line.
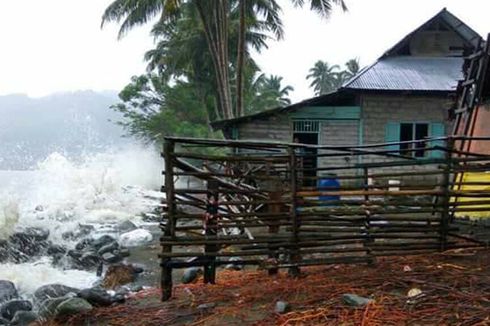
267, 204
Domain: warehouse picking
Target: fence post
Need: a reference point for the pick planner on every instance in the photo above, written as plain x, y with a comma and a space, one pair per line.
446, 184
367, 221
211, 229
169, 227
295, 257
274, 195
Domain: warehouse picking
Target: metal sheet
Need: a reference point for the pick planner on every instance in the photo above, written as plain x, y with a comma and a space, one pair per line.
411, 74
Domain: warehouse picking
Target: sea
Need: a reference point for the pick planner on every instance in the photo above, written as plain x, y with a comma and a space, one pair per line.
60, 194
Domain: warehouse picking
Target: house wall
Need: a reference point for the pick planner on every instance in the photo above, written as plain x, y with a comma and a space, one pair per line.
379, 110
480, 129
272, 128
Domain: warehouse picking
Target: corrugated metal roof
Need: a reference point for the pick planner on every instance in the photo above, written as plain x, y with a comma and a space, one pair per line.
410, 73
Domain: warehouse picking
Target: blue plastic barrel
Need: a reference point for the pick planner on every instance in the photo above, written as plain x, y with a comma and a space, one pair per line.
328, 183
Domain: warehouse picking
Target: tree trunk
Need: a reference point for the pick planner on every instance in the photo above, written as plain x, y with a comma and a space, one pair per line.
240, 60
215, 22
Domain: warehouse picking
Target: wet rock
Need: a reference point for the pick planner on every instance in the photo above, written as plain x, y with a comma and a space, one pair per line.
9, 309
126, 226
233, 266
122, 290
124, 252
354, 300
47, 308
138, 269
73, 306
4, 321
84, 243
36, 234
108, 248
96, 296
135, 238
50, 291
206, 306
7, 291
89, 260
119, 298
102, 241
75, 254
23, 318
118, 275
191, 274
135, 288
111, 258
282, 307
54, 249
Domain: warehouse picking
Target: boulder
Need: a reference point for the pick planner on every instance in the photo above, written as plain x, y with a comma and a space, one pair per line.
31, 233
89, 260
9, 309
282, 307
23, 318
206, 306
47, 308
84, 243
50, 291
354, 300
234, 266
102, 241
126, 226
111, 258
135, 238
123, 252
7, 291
191, 274
135, 288
96, 296
73, 306
54, 249
108, 248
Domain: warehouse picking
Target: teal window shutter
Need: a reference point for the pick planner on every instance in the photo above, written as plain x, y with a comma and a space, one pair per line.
437, 129
392, 135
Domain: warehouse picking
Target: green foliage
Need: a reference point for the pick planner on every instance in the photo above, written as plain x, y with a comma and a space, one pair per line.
266, 92
326, 78
152, 109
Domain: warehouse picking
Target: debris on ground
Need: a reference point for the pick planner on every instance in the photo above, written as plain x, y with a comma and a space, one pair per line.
456, 294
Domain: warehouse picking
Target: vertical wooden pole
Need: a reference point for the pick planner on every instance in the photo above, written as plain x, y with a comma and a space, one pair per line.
274, 195
211, 229
445, 215
295, 257
169, 230
367, 221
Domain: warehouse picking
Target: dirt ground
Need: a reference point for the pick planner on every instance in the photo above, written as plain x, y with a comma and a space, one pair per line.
453, 289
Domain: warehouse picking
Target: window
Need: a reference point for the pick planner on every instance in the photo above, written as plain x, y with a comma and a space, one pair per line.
408, 131
411, 132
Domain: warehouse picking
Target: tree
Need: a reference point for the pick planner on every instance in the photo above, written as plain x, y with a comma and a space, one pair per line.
267, 92
215, 19
325, 77
152, 109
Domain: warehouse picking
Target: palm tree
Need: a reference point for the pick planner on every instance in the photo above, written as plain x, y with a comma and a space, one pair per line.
325, 78
214, 17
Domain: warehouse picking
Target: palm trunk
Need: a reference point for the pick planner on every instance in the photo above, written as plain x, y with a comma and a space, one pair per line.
240, 60
216, 32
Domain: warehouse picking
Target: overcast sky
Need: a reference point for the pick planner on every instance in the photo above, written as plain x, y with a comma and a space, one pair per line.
50, 46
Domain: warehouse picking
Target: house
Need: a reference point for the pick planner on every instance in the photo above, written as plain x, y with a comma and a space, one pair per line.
405, 95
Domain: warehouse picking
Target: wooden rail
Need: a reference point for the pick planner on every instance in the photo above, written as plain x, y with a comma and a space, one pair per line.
258, 203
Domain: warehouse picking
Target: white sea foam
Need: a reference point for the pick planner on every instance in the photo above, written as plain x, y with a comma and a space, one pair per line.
28, 277
102, 190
